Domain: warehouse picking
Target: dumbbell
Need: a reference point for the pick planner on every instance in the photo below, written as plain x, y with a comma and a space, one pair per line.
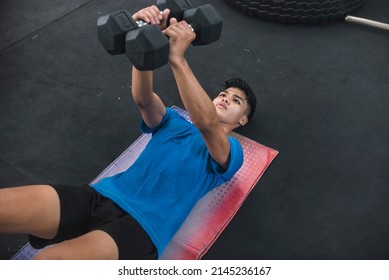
145, 45
149, 45
148, 49
112, 28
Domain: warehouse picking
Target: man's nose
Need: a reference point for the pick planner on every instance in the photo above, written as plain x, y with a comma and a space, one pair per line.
225, 100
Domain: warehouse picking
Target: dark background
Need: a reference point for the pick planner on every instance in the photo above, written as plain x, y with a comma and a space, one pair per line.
66, 113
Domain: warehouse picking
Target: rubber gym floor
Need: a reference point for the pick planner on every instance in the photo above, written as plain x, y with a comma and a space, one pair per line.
66, 113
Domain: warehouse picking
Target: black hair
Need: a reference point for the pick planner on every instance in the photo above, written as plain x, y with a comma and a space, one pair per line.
245, 87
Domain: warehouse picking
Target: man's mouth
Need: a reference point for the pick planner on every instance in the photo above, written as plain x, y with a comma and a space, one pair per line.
222, 105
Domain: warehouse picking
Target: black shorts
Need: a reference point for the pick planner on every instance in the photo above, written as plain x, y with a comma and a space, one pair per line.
84, 210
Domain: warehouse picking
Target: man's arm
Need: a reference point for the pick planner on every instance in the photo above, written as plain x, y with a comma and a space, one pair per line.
195, 99
150, 105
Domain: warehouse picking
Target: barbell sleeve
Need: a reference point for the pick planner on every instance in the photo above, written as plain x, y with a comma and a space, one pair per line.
367, 22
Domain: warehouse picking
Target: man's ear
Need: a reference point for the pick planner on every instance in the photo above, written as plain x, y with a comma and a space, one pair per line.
243, 120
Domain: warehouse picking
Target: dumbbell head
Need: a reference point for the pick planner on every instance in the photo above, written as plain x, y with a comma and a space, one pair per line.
147, 48
112, 29
176, 7
206, 22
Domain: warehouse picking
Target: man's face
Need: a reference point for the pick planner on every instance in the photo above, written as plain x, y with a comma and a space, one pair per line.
231, 106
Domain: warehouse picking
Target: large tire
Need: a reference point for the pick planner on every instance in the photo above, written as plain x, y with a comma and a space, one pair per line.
297, 11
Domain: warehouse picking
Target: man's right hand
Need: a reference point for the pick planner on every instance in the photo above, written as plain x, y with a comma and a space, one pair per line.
152, 15
181, 35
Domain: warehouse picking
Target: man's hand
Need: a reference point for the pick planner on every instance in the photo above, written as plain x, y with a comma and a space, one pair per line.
180, 36
152, 15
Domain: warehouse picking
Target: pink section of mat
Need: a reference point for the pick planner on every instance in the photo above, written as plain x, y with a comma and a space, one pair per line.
217, 208
213, 212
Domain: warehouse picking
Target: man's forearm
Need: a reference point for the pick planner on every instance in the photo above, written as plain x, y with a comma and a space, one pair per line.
142, 86
194, 97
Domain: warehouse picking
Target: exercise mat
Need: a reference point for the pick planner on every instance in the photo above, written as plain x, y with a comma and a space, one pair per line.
212, 213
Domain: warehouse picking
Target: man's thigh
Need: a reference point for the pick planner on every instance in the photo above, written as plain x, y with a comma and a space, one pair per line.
30, 209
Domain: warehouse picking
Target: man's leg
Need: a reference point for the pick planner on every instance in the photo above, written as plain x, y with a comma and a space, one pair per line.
95, 245
35, 210
31, 210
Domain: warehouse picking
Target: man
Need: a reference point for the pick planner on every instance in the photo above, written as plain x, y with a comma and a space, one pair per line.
134, 214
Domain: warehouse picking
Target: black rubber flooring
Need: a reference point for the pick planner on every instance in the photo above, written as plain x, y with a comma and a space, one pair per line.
323, 91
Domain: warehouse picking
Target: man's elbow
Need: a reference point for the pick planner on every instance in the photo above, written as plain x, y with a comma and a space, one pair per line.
142, 100
206, 124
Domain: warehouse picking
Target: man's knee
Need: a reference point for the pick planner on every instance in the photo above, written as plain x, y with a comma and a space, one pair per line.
51, 253
58, 251
29, 209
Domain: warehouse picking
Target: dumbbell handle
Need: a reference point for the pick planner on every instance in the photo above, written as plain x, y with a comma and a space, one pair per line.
142, 23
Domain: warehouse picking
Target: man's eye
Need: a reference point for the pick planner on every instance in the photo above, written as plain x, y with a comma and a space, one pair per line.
237, 101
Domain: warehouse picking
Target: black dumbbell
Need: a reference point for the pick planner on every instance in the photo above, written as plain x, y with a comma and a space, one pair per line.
148, 49
146, 46
206, 22
112, 28
176, 8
